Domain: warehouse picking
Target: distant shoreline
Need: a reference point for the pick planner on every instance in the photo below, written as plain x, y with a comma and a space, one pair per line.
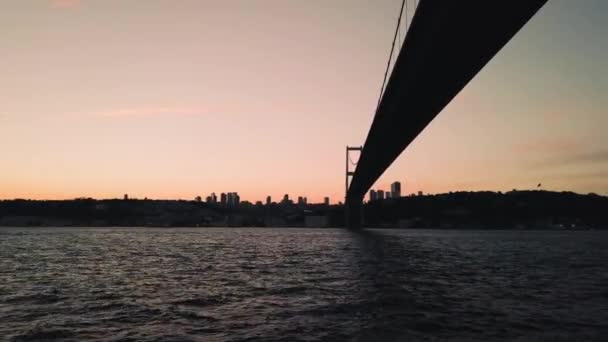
514, 210
531, 229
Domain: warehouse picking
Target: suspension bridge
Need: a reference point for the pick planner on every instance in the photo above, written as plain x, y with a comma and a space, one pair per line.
446, 43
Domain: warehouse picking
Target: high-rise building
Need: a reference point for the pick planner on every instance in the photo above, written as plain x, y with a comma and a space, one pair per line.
213, 198
300, 200
233, 199
380, 194
326, 201
268, 200
209, 200
388, 195
285, 199
373, 195
223, 199
396, 189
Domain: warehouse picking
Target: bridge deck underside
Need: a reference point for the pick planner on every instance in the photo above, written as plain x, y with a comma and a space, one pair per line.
447, 44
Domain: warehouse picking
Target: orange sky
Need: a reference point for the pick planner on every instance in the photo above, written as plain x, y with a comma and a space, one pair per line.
172, 99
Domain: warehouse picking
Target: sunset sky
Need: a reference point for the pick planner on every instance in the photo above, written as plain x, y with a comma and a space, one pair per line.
174, 99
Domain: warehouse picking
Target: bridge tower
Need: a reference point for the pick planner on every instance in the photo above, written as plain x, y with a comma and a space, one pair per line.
352, 210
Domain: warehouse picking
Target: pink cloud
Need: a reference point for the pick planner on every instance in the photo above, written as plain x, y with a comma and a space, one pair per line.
66, 3
561, 151
152, 111
181, 111
550, 145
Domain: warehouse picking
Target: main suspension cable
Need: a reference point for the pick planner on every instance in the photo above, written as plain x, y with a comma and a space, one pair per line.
390, 58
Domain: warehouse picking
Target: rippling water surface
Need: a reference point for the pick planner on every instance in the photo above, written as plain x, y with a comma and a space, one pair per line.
301, 285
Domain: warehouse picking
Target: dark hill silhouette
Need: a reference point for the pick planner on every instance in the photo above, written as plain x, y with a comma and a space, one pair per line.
483, 210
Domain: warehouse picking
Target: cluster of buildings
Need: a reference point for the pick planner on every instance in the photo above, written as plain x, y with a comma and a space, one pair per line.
233, 200
230, 199
395, 192
302, 201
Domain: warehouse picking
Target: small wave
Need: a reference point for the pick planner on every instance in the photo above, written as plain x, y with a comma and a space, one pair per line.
200, 302
135, 315
42, 333
107, 296
38, 298
290, 290
195, 316
109, 307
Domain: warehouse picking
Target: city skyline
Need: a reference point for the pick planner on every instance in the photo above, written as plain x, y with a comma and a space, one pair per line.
265, 98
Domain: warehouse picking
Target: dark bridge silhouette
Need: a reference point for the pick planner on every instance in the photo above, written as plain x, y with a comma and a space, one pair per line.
447, 44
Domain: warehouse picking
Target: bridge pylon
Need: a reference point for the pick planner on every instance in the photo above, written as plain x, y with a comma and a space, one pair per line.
352, 207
